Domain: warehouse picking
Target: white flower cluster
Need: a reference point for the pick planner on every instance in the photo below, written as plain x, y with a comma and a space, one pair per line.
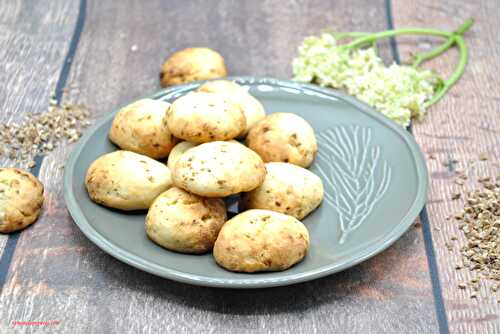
397, 91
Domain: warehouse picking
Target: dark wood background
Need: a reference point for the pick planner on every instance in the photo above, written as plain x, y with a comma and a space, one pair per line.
51, 271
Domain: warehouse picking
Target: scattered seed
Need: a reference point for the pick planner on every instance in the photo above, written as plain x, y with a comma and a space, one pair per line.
484, 179
483, 157
40, 133
479, 221
489, 186
456, 195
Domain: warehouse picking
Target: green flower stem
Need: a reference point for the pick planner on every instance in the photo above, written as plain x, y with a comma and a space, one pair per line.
464, 27
391, 33
352, 34
457, 74
422, 57
452, 38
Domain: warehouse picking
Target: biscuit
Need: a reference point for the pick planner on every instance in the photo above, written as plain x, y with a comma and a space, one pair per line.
139, 128
184, 222
192, 64
200, 117
283, 137
288, 189
219, 169
21, 199
126, 180
177, 151
251, 107
261, 240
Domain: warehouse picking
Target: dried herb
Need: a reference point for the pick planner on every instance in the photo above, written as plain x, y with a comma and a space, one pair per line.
483, 156
479, 221
40, 133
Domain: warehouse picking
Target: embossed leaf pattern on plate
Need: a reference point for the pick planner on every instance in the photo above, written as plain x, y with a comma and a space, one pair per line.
358, 176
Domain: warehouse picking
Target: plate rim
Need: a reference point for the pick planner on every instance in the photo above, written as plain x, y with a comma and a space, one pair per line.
143, 264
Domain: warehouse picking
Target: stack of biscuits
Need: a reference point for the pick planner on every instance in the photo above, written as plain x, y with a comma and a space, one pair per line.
180, 160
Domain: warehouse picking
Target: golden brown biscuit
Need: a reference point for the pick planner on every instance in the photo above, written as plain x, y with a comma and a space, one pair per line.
221, 86
284, 137
126, 180
203, 117
192, 64
252, 108
182, 147
21, 199
184, 222
139, 128
219, 169
177, 151
288, 189
261, 240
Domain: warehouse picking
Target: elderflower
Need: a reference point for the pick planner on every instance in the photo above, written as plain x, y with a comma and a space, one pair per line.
397, 91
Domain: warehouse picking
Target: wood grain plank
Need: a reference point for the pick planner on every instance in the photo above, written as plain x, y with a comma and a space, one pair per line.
463, 125
34, 38
3, 242
58, 274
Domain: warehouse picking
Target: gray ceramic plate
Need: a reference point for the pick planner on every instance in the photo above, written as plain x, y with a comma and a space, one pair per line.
373, 171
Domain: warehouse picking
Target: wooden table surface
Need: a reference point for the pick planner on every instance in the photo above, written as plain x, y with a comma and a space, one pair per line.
51, 272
